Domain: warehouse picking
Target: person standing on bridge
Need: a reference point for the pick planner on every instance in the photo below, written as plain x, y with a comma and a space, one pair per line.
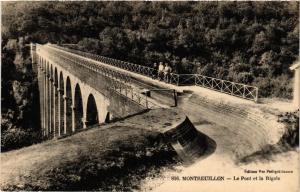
154, 72
161, 68
167, 72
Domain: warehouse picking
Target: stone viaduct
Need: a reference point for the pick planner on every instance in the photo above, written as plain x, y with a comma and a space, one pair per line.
75, 95
78, 89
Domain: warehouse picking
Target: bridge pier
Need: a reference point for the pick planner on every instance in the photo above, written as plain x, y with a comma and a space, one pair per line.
40, 72
48, 105
84, 121
43, 101
44, 87
41, 93
59, 112
55, 109
65, 99
51, 107
73, 118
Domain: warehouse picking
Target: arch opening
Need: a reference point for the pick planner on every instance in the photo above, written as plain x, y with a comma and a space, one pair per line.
107, 118
68, 106
78, 110
46, 99
61, 104
48, 112
56, 110
92, 112
51, 90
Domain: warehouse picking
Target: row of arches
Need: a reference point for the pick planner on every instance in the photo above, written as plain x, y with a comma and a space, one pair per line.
64, 107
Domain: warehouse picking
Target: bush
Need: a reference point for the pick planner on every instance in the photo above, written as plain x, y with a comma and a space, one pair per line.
16, 138
274, 87
90, 45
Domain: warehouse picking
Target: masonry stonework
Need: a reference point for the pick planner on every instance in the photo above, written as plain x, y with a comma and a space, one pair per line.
74, 98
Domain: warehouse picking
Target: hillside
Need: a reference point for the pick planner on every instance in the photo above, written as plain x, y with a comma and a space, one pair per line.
247, 42
111, 157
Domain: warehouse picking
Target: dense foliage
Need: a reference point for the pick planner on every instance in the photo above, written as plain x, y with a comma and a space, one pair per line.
19, 99
247, 42
291, 135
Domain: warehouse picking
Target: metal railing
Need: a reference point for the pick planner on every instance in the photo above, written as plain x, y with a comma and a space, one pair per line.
236, 89
223, 86
232, 88
147, 71
120, 82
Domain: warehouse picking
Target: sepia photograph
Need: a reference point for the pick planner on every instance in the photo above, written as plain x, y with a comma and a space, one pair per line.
162, 96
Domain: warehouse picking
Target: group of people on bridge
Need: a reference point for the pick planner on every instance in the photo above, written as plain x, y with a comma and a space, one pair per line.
162, 72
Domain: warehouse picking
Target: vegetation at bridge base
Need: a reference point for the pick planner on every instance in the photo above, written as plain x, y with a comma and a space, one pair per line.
246, 42
289, 140
19, 99
110, 159
291, 134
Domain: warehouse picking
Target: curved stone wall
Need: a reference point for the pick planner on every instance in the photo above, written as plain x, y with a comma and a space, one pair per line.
251, 126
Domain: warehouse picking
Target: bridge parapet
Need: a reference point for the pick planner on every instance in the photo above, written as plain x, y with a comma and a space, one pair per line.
121, 83
228, 87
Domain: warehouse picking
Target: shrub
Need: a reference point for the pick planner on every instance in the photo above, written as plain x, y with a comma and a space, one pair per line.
274, 87
15, 138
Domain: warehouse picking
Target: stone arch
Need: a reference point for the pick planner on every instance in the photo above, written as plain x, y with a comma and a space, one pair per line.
51, 97
92, 111
51, 71
68, 98
48, 100
78, 108
48, 71
55, 76
61, 103
56, 110
45, 96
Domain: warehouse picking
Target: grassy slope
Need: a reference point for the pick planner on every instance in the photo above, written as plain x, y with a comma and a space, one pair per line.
116, 156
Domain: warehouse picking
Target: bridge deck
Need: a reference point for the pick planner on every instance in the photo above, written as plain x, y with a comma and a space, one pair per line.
142, 82
127, 81
232, 88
